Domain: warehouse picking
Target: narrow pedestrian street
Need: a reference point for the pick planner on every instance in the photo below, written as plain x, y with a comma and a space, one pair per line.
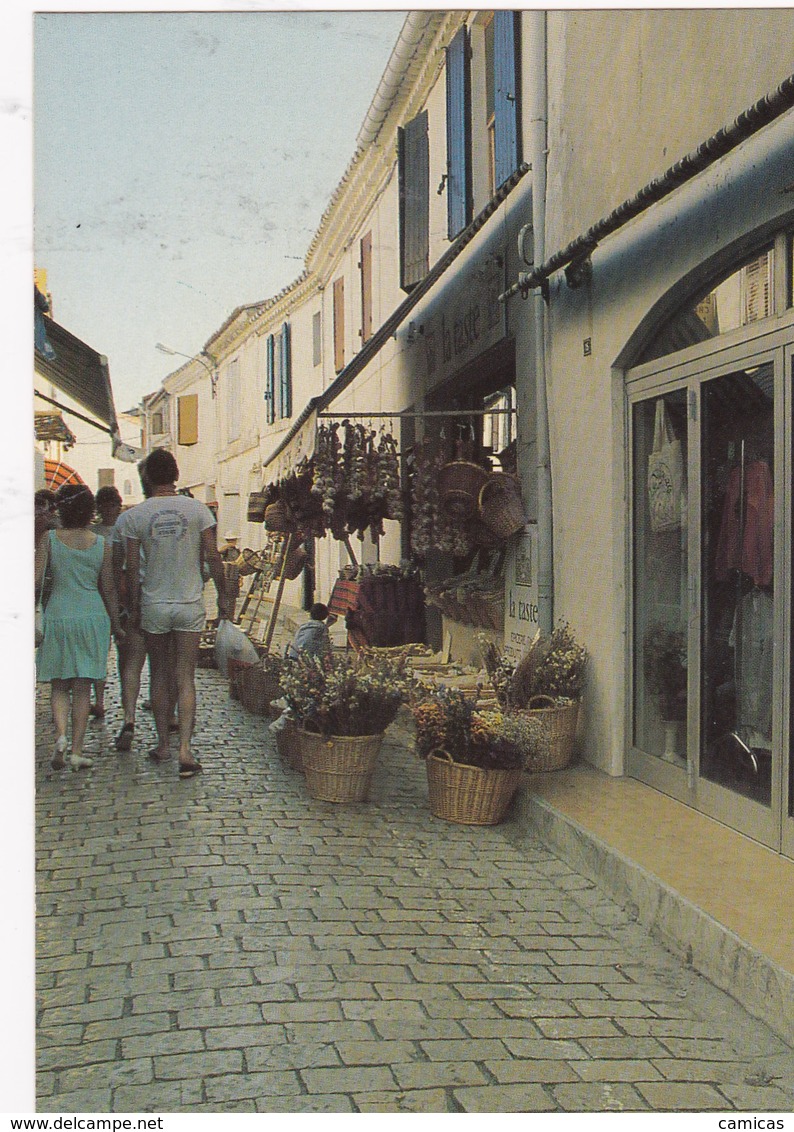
229, 944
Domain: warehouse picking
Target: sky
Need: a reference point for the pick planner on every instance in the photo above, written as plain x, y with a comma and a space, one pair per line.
182, 163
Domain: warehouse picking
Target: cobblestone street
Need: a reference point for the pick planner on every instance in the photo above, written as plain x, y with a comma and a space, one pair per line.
229, 944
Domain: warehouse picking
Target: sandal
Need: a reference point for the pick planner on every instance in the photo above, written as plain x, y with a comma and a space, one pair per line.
156, 757
124, 737
59, 755
80, 762
190, 770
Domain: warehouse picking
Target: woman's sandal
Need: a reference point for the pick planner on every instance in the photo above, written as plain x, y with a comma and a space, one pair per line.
190, 770
156, 757
59, 755
80, 762
124, 737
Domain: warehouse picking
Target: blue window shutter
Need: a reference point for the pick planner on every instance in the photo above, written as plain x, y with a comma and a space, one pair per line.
459, 194
270, 391
414, 180
286, 373
506, 94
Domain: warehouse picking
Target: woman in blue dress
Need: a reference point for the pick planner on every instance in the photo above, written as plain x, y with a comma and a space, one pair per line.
81, 612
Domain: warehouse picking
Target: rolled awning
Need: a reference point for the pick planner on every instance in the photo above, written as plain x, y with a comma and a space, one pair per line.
56, 474
78, 370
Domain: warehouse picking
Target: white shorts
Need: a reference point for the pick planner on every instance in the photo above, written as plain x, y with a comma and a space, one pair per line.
173, 617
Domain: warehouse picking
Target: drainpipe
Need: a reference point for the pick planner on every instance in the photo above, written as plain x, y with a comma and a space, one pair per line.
538, 107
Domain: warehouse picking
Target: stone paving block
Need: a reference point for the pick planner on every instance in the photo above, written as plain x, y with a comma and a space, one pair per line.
512, 1071
242, 1037
377, 1052
79, 1100
550, 1049
433, 1074
603, 1096
616, 1069
196, 1063
418, 1028
352, 1030
123, 1026
98, 1076
337, 1102
748, 1098
70, 1056
463, 1049
504, 1098
347, 1079
265, 993
622, 1047
701, 1069
194, 1018
671, 1096
173, 1000
157, 1096
417, 1100
331, 990
291, 1055
168, 1041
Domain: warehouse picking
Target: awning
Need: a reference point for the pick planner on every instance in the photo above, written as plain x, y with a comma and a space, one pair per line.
381, 336
78, 371
52, 426
56, 474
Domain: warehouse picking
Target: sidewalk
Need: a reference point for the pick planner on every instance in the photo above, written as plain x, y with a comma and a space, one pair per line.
228, 944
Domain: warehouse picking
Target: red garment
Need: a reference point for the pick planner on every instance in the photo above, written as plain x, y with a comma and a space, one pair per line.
756, 558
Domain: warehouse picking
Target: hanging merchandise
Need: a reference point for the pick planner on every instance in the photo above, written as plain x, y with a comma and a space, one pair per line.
666, 481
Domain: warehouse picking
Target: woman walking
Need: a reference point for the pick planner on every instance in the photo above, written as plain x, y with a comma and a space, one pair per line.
80, 614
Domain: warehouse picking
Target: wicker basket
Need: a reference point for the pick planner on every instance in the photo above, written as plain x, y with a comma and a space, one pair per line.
339, 768
469, 795
289, 745
555, 730
295, 561
257, 689
256, 507
279, 518
459, 486
500, 505
234, 668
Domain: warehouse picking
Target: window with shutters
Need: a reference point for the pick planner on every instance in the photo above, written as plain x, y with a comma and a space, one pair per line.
459, 173
339, 324
233, 400
317, 338
285, 372
365, 267
502, 95
270, 380
414, 178
187, 419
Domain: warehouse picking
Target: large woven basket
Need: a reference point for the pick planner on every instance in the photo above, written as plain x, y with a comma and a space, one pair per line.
257, 689
500, 505
339, 768
234, 668
469, 795
256, 507
288, 744
555, 733
279, 517
459, 485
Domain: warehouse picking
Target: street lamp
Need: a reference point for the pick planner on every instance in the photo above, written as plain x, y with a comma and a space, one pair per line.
211, 369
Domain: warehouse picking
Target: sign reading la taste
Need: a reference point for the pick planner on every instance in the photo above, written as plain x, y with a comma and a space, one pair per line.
462, 322
521, 592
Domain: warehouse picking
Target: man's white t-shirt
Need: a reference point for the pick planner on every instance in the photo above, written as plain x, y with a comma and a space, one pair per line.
169, 529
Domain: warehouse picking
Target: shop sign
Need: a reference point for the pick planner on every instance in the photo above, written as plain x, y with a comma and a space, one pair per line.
521, 592
464, 321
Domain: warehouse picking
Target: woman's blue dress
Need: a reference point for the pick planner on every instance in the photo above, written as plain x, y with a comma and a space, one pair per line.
76, 624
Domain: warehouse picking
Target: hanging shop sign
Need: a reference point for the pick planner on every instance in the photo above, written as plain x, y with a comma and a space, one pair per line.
521, 592
464, 319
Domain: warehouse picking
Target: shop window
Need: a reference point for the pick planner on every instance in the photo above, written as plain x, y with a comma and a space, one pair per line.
365, 267
285, 372
339, 324
738, 585
414, 178
106, 477
660, 576
502, 95
187, 419
317, 338
743, 297
459, 173
233, 400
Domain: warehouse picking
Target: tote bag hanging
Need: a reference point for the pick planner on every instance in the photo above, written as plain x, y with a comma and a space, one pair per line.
665, 474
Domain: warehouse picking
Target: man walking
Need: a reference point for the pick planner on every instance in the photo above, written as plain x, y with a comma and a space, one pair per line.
175, 534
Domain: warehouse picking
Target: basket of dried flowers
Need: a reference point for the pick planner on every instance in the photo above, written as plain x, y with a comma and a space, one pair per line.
288, 744
259, 685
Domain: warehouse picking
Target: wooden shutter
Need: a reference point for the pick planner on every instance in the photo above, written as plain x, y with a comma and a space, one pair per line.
285, 398
339, 324
414, 177
506, 94
365, 265
270, 381
187, 419
459, 191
